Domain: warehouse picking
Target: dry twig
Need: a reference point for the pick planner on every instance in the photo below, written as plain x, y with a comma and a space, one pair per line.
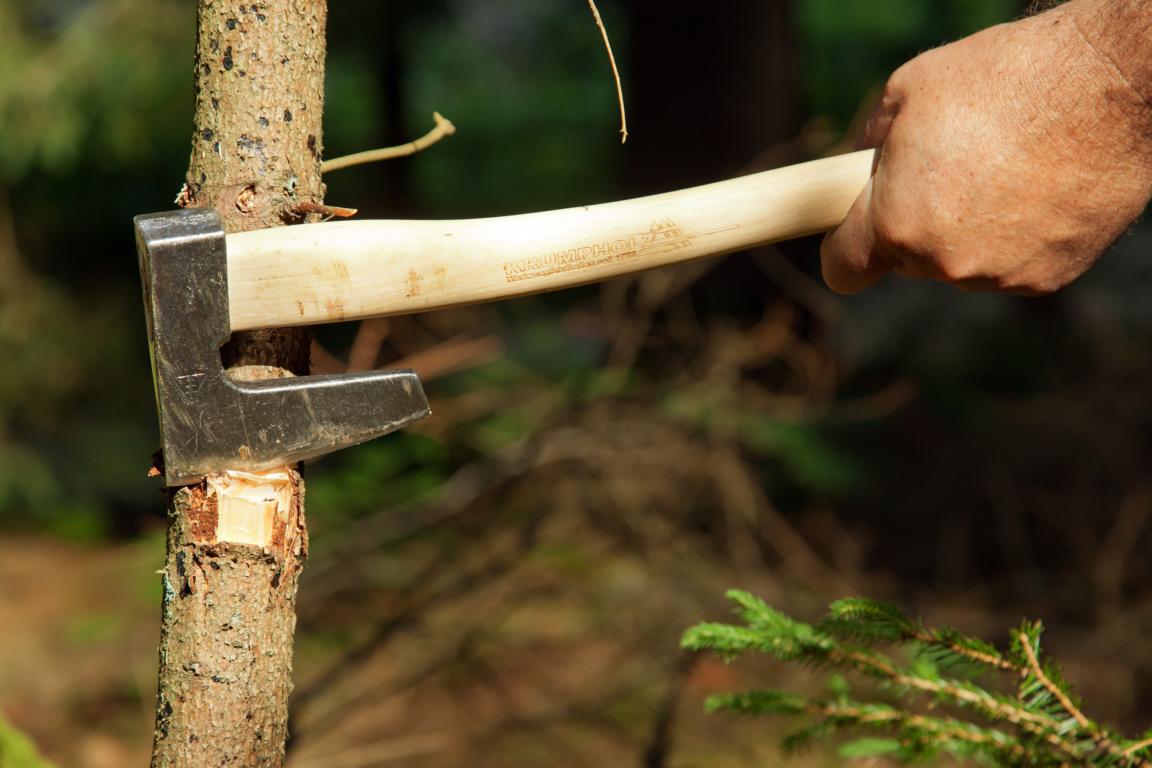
443, 128
449, 356
303, 207
452, 355
366, 345
390, 750
615, 70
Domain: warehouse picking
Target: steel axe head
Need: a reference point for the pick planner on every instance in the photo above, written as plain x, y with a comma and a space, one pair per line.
210, 422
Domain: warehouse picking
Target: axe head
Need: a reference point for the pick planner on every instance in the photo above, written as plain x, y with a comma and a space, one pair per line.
210, 422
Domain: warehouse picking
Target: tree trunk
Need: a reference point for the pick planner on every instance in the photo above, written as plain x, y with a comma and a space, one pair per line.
229, 607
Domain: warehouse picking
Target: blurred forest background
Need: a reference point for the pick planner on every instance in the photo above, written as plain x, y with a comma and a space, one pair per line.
506, 584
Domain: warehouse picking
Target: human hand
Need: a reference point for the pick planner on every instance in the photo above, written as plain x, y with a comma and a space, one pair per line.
1008, 161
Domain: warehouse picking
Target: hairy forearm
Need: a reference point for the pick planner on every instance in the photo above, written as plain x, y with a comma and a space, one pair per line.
1121, 33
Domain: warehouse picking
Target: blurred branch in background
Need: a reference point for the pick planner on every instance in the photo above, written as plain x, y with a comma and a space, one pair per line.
664, 494
43, 342
81, 83
92, 95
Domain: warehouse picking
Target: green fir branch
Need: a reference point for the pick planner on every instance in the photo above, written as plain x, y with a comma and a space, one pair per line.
1040, 722
920, 736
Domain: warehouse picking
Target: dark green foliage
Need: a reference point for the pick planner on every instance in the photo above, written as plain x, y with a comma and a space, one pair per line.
850, 46
957, 696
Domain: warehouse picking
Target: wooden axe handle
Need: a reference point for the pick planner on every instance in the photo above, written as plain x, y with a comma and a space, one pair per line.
346, 270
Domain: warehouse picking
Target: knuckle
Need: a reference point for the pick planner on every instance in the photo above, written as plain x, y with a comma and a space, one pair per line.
902, 235
972, 276
1035, 284
907, 75
960, 271
899, 79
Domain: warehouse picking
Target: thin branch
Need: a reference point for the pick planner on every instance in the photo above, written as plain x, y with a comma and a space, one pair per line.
1103, 741
414, 609
1053, 689
615, 70
1066, 704
1134, 748
452, 355
659, 746
443, 128
927, 638
324, 361
390, 750
328, 211
1040, 726
366, 345
946, 726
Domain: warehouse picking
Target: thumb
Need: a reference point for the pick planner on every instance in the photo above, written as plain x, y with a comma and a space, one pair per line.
880, 119
848, 257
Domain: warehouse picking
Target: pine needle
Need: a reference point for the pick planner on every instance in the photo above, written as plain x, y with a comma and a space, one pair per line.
912, 712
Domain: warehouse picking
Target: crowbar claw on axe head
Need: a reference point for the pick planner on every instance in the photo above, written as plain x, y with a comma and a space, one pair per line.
210, 422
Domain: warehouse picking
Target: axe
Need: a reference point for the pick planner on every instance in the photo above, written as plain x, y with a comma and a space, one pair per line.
200, 285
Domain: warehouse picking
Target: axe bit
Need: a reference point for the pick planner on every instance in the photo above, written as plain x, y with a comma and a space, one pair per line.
199, 285
209, 421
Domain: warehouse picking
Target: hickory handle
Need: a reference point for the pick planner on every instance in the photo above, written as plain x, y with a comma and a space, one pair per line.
321, 273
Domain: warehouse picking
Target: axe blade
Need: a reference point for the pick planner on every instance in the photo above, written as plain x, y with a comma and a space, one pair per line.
210, 422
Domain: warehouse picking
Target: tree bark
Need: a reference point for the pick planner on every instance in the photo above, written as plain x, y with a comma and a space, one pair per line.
229, 608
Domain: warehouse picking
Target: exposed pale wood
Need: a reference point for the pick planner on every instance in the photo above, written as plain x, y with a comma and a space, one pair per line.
248, 504
320, 273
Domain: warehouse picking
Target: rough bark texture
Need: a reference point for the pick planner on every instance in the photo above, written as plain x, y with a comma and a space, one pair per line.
229, 609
